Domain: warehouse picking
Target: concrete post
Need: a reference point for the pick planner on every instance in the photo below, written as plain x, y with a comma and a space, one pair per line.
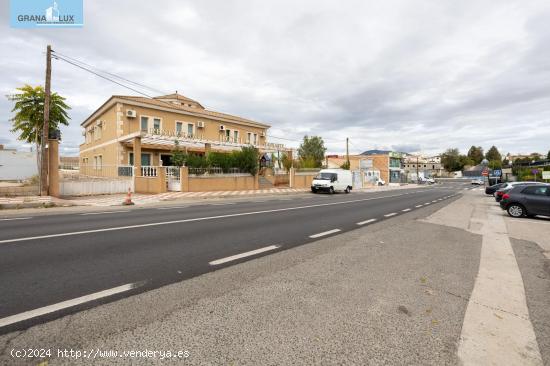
207, 148
137, 156
53, 162
257, 181
161, 176
291, 174
184, 179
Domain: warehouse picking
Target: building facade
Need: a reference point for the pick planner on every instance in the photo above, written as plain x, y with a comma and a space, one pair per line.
374, 164
137, 131
421, 166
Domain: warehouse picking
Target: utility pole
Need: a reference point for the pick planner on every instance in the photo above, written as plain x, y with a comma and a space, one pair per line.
417, 177
347, 153
46, 127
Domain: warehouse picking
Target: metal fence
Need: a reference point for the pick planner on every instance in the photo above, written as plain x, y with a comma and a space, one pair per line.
216, 170
87, 172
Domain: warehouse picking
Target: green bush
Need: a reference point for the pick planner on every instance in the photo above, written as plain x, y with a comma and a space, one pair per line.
247, 159
196, 161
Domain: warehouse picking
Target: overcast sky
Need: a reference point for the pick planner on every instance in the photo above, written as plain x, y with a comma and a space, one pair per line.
403, 75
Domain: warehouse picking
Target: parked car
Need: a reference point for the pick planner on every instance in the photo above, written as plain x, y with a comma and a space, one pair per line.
527, 200
477, 181
332, 180
492, 189
508, 187
429, 180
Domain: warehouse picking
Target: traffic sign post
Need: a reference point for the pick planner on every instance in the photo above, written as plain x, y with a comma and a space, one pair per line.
535, 172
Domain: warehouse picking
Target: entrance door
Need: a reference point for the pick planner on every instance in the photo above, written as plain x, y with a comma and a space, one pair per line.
173, 178
166, 159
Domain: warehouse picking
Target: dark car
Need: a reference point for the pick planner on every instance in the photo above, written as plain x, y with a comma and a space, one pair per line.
492, 189
527, 200
508, 187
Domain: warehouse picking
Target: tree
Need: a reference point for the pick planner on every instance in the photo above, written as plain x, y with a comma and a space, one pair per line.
313, 150
535, 156
548, 155
247, 159
29, 113
451, 160
475, 154
178, 156
493, 154
28, 121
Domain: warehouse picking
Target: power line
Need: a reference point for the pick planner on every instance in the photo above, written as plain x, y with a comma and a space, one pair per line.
57, 57
62, 58
110, 73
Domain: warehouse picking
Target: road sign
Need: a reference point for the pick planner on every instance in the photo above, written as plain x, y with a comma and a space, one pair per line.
535, 171
497, 173
546, 174
485, 173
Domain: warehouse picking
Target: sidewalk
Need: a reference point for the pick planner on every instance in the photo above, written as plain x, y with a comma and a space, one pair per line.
142, 199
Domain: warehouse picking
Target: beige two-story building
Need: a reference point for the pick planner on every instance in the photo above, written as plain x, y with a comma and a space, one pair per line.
134, 131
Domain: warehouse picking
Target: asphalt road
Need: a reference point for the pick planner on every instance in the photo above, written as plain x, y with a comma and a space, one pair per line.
49, 260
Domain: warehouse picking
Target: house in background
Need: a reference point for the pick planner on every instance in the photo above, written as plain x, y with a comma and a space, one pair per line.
422, 166
138, 131
17, 165
383, 164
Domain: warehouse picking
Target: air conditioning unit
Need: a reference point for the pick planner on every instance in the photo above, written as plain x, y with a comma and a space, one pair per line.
200, 124
131, 113
84, 133
222, 128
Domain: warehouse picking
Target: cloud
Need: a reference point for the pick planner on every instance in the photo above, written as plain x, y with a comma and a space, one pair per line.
411, 76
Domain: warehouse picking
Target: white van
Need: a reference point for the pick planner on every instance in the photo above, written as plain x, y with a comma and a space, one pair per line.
332, 180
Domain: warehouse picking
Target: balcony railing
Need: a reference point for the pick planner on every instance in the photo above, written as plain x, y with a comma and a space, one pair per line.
149, 171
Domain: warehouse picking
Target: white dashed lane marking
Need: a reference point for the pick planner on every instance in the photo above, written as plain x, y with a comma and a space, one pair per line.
243, 255
324, 233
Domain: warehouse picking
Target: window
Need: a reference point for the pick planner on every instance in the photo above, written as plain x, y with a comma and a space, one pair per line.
156, 125
248, 138
145, 159
235, 136
179, 128
227, 135
97, 132
190, 129
144, 124
98, 161
536, 190
255, 139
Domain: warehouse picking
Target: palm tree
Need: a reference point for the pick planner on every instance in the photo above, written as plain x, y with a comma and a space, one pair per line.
28, 121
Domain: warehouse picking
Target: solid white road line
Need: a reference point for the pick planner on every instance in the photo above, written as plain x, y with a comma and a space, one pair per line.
102, 212
243, 255
116, 228
366, 222
171, 208
223, 204
16, 218
324, 233
65, 304
390, 214
417, 206
406, 210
